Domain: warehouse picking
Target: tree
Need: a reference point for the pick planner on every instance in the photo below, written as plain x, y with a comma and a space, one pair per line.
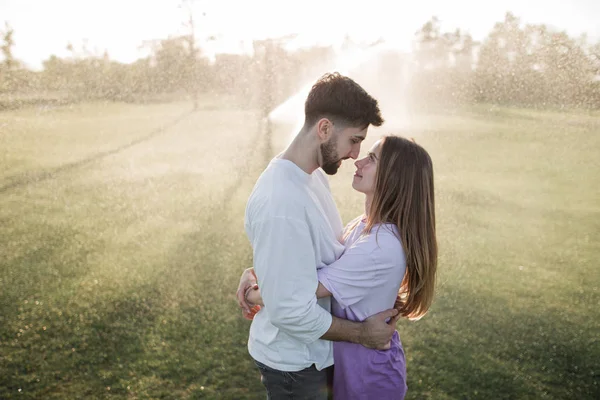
12, 76
9, 42
498, 57
172, 66
192, 57
431, 49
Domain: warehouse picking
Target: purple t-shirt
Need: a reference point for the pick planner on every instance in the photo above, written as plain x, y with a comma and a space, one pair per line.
364, 281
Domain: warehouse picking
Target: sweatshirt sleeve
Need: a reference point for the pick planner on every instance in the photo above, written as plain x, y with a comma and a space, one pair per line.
284, 263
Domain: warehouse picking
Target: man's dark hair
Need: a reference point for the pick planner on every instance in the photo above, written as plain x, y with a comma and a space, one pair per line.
339, 98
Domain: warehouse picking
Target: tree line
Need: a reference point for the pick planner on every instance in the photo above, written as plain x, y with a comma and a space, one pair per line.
515, 64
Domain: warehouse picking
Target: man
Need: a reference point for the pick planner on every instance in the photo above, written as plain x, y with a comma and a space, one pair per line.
294, 227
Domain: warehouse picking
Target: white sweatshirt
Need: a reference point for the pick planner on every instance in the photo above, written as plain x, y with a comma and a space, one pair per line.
293, 226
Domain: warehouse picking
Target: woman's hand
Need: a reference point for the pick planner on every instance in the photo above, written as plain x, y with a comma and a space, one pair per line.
247, 281
253, 296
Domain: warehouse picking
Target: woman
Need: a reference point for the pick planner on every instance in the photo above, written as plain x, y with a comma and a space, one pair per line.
390, 258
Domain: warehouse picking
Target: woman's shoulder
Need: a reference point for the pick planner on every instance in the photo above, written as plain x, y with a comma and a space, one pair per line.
380, 237
384, 242
380, 247
354, 224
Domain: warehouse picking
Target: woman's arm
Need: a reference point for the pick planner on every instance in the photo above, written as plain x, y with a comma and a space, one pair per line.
253, 294
322, 291
372, 262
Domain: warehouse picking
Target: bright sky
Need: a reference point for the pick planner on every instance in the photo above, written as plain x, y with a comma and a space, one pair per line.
44, 27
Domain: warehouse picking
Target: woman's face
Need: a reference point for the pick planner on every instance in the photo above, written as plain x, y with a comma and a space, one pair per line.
366, 170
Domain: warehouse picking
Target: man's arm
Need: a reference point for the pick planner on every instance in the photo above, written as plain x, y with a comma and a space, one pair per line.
284, 263
373, 332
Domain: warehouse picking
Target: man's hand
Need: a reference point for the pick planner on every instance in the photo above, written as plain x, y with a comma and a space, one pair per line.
247, 280
376, 333
399, 303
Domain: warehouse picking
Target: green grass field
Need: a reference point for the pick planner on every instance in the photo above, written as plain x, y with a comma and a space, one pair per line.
122, 241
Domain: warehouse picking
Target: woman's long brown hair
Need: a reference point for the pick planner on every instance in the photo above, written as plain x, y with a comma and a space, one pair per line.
404, 197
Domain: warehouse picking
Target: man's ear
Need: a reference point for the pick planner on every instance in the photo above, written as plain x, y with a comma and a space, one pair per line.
324, 129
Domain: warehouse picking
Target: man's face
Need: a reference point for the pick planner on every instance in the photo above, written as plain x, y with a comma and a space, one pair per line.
343, 144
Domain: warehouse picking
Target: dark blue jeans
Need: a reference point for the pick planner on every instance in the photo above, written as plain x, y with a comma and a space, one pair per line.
308, 384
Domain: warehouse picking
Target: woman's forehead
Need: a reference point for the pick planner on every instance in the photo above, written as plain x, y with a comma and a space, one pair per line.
376, 147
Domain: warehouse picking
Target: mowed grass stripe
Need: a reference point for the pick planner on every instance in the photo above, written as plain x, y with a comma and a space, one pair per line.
143, 220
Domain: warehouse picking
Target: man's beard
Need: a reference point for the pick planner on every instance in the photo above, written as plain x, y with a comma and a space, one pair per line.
330, 158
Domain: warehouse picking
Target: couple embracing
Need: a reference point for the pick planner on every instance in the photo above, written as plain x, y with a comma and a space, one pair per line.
324, 299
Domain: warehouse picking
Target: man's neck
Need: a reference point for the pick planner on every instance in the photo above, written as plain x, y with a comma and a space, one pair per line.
302, 153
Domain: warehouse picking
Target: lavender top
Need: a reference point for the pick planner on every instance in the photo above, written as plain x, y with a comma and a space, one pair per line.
364, 281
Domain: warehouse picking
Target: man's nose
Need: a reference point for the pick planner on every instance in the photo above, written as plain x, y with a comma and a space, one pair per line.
355, 151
